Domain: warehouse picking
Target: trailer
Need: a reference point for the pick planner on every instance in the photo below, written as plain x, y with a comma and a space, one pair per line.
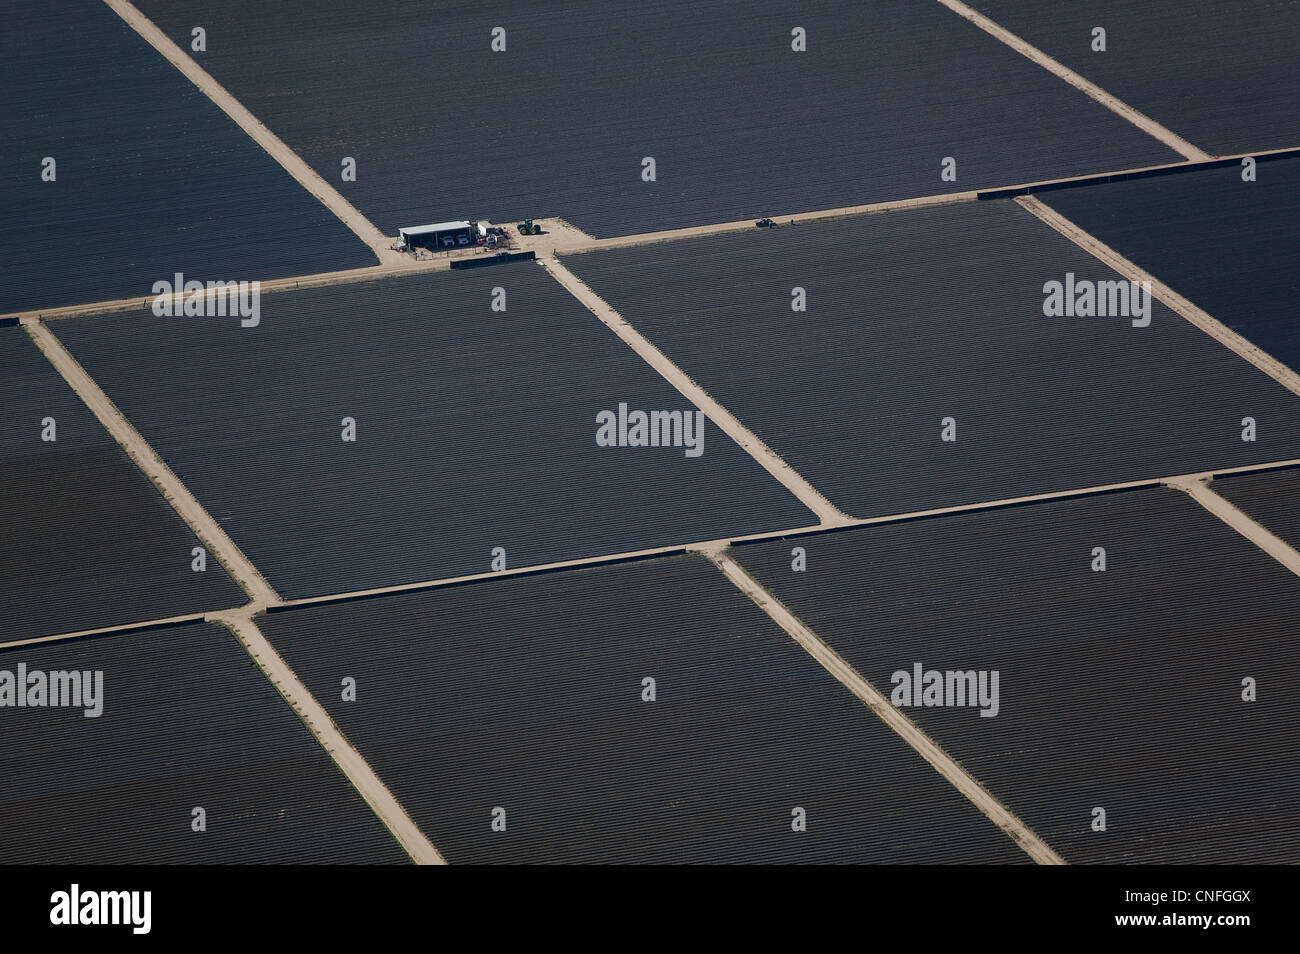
500, 258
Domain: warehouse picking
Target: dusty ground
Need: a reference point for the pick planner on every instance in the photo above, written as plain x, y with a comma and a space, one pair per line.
1092, 90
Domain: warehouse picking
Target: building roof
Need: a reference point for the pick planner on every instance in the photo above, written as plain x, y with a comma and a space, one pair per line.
436, 227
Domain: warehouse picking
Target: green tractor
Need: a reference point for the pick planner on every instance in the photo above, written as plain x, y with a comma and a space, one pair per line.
529, 227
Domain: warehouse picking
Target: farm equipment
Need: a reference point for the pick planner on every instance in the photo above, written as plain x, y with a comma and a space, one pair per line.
765, 224
496, 237
529, 227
